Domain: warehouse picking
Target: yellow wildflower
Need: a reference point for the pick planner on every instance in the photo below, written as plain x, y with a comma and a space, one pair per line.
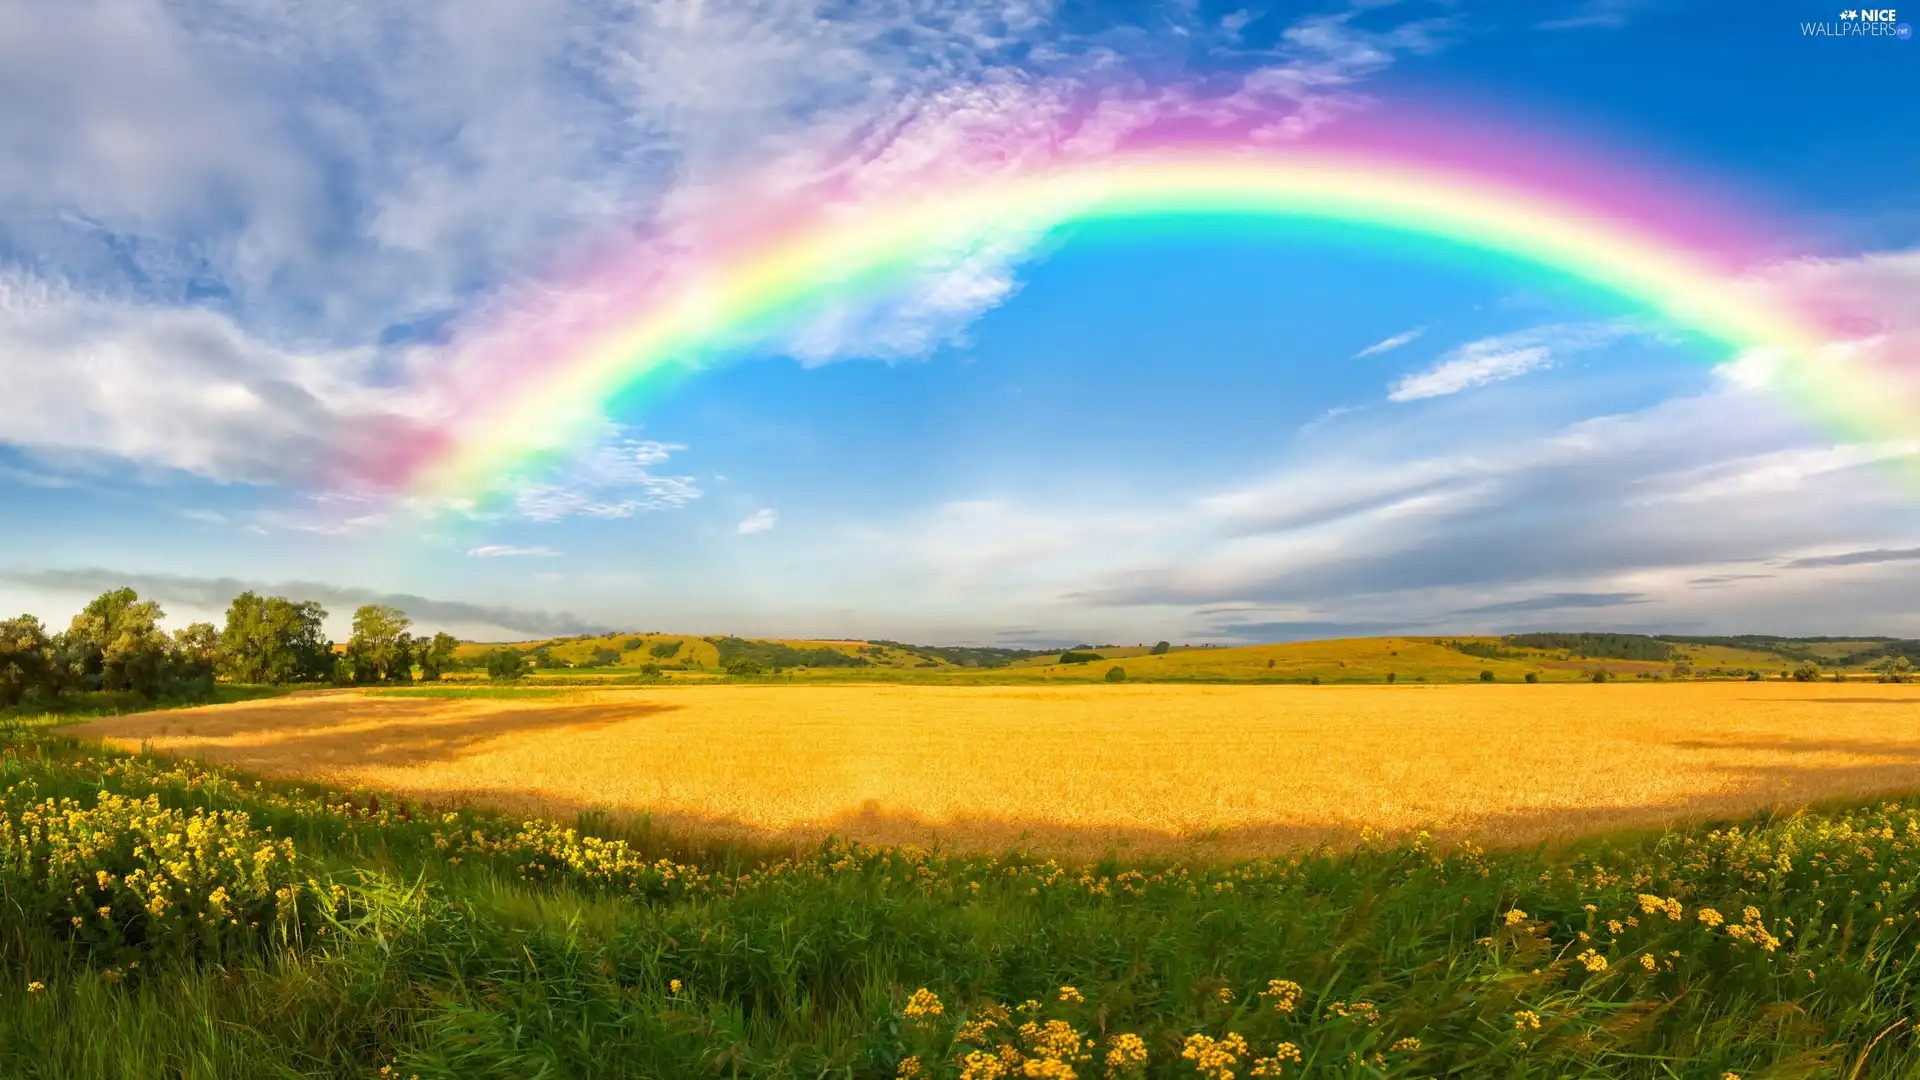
924, 1004
1285, 994
1214, 1058
910, 1069
1068, 993
1709, 916
1526, 1019
1126, 1055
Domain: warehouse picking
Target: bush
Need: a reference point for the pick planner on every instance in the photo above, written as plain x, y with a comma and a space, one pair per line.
1116, 673
1072, 657
1391, 676
505, 665
1315, 680
1753, 676
1806, 673
651, 671
1486, 676
744, 667
664, 650
1599, 675
1533, 676
1160, 648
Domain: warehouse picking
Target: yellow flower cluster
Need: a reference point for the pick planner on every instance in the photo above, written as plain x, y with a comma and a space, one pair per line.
1285, 994
1126, 1055
1214, 1058
126, 870
924, 1004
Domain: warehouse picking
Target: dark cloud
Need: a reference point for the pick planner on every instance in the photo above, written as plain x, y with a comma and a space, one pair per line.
1856, 558
1557, 602
1726, 579
216, 593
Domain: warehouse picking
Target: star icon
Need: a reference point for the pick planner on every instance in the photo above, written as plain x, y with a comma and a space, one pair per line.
1850, 14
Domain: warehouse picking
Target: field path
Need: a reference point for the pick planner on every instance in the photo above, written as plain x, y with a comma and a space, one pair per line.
1088, 769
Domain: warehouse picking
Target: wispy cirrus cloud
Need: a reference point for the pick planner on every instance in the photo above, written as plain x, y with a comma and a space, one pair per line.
759, 521
505, 551
1405, 337
1505, 356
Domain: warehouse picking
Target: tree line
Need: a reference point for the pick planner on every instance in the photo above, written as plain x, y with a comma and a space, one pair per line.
116, 644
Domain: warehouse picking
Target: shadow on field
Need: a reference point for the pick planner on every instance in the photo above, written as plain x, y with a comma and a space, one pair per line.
1774, 790
343, 731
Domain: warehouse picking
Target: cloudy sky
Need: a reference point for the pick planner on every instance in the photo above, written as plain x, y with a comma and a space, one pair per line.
247, 247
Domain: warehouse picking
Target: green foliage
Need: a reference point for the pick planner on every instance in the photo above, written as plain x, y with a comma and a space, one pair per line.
1895, 669
664, 650
436, 657
1533, 676
24, 661
1599, 675
745, 666
1160, 648
768, 654
1807, 672
381, 650
505, 665
1484, 650
1486, 676
274, 641
119, 644
1598, 646
970, 656
1116, 673
1072, 656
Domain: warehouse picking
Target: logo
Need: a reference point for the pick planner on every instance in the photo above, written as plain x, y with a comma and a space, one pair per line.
1861, 23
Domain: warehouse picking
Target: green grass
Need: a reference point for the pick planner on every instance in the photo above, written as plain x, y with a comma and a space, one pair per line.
472, 945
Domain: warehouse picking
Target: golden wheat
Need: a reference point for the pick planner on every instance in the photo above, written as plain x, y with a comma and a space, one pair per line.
1082, 770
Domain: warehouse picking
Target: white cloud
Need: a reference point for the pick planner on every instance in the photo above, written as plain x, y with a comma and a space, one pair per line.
614, 479
502, 551
1403, 338
759, 521
247, 210
1505, 356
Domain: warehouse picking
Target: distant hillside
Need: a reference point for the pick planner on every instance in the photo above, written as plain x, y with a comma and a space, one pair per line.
1547, 657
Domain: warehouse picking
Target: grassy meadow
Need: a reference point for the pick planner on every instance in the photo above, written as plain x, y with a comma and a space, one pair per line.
171, 919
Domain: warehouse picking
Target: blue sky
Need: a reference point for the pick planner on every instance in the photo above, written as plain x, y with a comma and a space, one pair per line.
226, 251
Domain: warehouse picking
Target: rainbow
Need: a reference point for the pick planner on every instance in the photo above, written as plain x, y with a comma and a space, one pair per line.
1678, 271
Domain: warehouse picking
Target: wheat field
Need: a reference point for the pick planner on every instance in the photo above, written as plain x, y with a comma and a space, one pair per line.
1085, 770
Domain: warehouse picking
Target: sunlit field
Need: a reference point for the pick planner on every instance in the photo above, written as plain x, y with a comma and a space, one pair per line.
1088, 770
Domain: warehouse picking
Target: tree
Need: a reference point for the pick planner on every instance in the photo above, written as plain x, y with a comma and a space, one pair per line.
1391, 676
24, 660
1895, 669
120, 643
505, 665
1682, 669
1599, 675
1533, 676
437, 656
744, 667
195, 649
273, 640
1160, 648
1806, 672
1116, 674
1486, 676
380, 649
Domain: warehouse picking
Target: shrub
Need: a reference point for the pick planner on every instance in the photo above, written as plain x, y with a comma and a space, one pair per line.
1599, 675
1753, 676
1806, 673
664, 650
1391, 676
1315, 680
1160, 648
1486, 676
744, 667
1533, 676
1073, 657
651, 671
505, 665
1116, 673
